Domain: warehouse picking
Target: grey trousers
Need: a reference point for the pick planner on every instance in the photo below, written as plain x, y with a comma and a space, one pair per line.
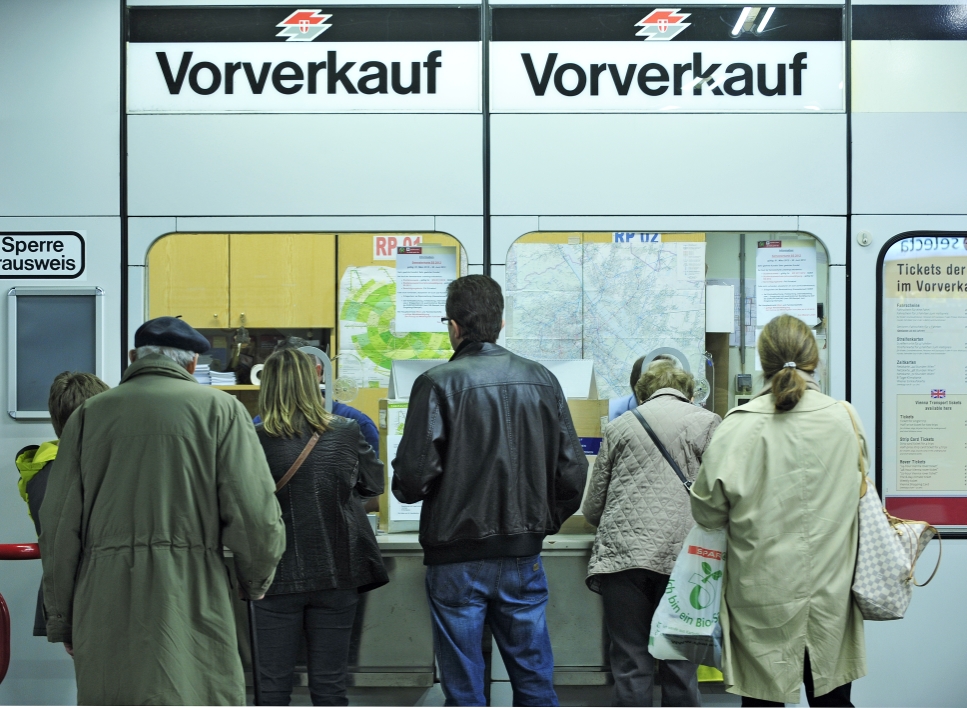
630, 598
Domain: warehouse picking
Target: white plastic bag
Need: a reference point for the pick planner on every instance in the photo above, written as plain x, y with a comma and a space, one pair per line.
686, 621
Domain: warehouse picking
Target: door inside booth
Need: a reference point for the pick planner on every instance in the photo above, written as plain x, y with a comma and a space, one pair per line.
336, 291
612, 297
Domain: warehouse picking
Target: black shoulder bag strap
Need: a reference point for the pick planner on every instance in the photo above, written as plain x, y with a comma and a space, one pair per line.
663, 450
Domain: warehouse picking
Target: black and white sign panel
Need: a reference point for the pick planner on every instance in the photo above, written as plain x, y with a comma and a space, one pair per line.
291, 60
48, 255
646, 59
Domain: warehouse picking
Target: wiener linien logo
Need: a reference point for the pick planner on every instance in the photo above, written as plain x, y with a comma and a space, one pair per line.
303, 25
662, 24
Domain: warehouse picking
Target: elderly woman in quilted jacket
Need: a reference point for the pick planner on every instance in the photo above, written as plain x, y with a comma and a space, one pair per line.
642, 512
331, 553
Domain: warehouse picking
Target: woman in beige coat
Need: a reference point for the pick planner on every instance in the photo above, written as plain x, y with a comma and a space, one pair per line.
640, 507
782, 473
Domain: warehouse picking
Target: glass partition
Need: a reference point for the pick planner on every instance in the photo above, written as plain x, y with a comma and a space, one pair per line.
611, 297
246, 292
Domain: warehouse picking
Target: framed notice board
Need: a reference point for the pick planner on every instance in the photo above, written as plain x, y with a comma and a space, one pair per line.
922, 388
50, 330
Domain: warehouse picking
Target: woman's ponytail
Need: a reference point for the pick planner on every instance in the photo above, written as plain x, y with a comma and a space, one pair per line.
785, 345
787, 388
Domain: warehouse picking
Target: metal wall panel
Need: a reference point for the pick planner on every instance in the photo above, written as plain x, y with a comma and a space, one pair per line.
60, 115
292, 165
909, 163
669, 164
40, 672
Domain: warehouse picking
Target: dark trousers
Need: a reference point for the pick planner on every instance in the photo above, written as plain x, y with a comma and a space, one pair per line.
326, 616
630, 598
837, 698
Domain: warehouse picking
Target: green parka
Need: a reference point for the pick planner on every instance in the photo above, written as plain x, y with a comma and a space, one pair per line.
152, 479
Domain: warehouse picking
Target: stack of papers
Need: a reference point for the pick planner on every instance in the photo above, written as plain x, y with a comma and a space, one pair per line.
203, 374
223, 378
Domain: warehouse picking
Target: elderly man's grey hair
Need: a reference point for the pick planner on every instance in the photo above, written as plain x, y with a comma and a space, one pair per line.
182, 357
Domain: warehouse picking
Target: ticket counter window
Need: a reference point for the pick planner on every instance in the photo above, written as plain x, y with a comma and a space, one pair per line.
922, 406
338, 292
611, 297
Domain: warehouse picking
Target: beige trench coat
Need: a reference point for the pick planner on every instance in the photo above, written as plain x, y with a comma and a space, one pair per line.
788, 487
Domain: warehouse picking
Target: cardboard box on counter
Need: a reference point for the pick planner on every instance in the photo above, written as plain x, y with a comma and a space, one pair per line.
588, 416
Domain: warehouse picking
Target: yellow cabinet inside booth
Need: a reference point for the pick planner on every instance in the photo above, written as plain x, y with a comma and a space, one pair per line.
188, 276
283, 280
274, 280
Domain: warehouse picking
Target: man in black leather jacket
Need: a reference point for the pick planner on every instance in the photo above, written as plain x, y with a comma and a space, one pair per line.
490, 449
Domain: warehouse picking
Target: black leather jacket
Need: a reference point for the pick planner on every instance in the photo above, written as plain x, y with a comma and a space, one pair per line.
490, 449
328, 540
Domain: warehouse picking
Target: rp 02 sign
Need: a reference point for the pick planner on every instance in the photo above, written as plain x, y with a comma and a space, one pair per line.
41, 254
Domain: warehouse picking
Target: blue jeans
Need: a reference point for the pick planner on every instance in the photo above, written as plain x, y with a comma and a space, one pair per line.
509, 594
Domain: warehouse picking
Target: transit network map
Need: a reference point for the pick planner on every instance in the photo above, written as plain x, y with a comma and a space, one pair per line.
609, 302
368, 340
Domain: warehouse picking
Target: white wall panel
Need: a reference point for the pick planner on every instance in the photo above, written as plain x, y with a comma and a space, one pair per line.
59, 113
260, 165
919, 661
907, 76
668, 164
504, 230
40, 672
468, 230
909, 163
668, 223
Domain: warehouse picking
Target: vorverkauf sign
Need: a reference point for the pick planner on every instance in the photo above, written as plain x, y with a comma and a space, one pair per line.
645, 59
43, 254
284, 60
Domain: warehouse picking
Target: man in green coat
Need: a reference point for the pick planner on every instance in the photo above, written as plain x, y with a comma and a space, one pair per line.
153, 479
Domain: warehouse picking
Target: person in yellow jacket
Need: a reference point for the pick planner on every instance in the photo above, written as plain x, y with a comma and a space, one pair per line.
69, 390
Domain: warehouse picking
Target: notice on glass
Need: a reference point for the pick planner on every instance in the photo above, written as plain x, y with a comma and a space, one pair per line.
925, 374
932, 443
785, 281
422, 276
395, 422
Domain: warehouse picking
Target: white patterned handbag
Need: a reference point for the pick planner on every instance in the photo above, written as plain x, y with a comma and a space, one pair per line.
888, 551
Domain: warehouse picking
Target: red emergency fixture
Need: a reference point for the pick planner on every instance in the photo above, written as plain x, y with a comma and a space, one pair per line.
11, 551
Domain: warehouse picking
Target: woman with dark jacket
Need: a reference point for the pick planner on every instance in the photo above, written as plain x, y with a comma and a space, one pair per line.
331, 553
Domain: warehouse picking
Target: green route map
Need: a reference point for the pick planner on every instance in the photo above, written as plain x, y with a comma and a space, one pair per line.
368, 340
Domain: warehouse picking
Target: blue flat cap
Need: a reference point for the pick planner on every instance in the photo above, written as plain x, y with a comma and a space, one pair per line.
170, 332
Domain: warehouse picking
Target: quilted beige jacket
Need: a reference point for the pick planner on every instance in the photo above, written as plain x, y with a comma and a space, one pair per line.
635, 498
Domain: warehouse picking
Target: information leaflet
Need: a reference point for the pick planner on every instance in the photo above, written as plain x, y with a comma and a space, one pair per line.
422, 276
395, 423
785, 281
925, 383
